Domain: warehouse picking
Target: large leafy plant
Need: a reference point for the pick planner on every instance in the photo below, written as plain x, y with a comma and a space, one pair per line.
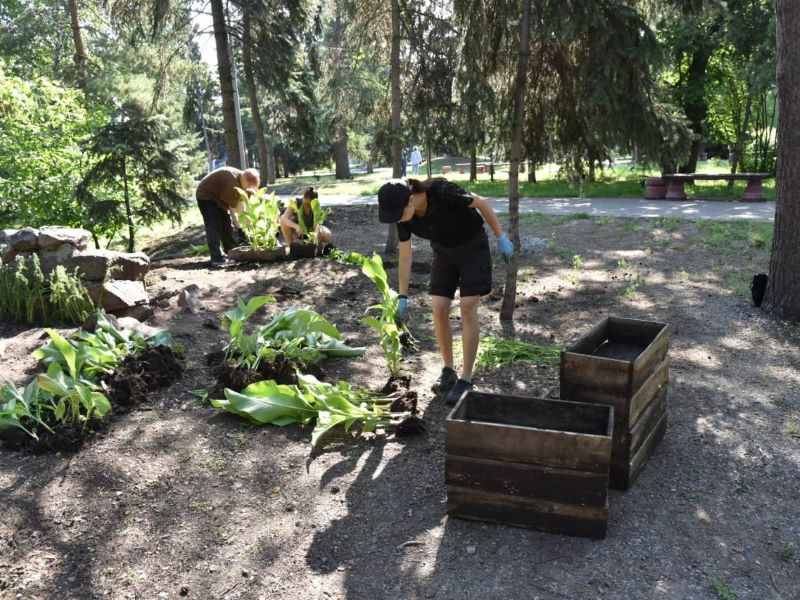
299, 334
329, 406
260, 218
320, 215
386, 323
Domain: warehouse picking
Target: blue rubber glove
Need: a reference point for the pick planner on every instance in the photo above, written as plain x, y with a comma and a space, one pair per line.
505, 247
402, 310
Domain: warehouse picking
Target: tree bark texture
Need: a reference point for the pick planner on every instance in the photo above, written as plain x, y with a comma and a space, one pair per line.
80, 50
473, 163
226, 83
695, 104
783, 288
520, 83
252, 91
341, 158
391, 238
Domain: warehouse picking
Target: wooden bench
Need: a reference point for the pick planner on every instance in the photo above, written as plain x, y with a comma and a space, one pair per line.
754, 192
479, 167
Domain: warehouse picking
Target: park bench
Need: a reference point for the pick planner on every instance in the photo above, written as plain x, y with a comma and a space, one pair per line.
754, 192
479, 167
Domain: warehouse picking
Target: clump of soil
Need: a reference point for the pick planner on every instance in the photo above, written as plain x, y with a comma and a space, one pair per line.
137, 376
411, 425
282, 370
68, 438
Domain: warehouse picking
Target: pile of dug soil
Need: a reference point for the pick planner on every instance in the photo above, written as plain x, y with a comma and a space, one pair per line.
137, 376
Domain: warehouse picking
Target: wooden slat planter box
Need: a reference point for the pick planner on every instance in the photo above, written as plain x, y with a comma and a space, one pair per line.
246, 253
529, 462
623, 363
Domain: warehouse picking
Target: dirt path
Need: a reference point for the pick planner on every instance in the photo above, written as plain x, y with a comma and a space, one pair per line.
179, 500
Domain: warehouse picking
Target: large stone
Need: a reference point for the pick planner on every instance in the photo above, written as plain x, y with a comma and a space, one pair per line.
54, 256
118, 295
5, 235
24, 240
7, 253
54, 235
94, 265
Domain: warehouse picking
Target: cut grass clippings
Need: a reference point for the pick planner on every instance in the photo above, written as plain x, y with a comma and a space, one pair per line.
501, 352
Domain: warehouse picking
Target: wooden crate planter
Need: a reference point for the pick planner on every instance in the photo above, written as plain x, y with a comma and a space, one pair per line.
623, 363
246, 253
529, 462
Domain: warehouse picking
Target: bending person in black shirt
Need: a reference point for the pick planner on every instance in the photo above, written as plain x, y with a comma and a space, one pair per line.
452, 219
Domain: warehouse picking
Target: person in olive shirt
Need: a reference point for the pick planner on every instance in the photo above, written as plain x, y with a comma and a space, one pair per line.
452, 219
218, 204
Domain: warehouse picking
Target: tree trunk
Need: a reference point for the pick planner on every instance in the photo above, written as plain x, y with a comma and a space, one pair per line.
80, 49
520, 84
341, 158
783, 288
473, 163
391, 238
252, 91
128, 208
271, 168
531, 171
695, 105
226, 84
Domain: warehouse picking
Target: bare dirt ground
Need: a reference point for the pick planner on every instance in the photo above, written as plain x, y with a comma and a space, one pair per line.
180, 500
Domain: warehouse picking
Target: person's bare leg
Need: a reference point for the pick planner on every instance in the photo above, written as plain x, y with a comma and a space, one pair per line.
288, 234
441, 325
324, 235
470, 333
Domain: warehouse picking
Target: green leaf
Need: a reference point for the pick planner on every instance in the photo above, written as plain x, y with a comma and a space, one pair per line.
66, 349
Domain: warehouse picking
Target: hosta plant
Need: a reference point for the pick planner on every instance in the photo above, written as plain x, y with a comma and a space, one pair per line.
387, 323
260, 218
328, 406
299, 334
24, 408
320, 215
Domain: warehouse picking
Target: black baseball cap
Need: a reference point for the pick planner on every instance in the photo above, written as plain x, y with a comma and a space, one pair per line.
392, 200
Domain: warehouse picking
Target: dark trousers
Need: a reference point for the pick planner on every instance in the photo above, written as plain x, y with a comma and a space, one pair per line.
218, 228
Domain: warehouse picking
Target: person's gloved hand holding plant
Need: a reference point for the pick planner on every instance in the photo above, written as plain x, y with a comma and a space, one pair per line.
505, 247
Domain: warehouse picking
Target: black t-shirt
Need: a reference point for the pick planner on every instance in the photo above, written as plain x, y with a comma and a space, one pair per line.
448, 221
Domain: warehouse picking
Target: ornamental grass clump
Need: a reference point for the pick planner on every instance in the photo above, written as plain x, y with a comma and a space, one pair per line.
329, 406
259, 219
299, 334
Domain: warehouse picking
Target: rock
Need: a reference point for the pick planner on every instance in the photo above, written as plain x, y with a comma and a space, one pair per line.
117, 295
55, 235
184, 590
26, 238
53, 256
5, 235
96, 265
139, 327
7, 253
188, 299
140, 312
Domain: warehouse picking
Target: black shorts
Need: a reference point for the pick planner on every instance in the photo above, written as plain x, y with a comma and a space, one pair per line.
467, 267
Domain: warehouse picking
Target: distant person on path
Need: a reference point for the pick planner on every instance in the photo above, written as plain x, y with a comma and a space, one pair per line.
416, 159
452, 219
218, 204
290, 227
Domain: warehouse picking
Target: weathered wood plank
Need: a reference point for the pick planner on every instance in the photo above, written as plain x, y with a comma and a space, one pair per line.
627, 442
622, 477
537, 413
526, 481
658, 379
560, 449
601, 374
632, 331
536, 514
589, 341
581, 393
647, 361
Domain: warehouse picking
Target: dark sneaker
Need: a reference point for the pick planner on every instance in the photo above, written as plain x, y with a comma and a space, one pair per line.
225, 262
445, 382
461, 387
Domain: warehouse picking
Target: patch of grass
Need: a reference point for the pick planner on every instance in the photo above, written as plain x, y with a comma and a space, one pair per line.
535, 218
787, 551
604, 220
577, 265
623, 263
721, 234
218, 465
633, 286
685, 277
793, 429
198, 506
555, 247
184, 457
561, 219
742, 486
630, 225
737, 282
720, 585
668, 223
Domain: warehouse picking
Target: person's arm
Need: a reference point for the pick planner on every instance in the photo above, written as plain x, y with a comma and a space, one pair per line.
487, 212
286, 218
404, 267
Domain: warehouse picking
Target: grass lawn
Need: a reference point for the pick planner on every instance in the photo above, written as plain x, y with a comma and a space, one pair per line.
615, 182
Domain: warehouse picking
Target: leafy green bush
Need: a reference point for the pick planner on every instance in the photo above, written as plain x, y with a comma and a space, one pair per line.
320, 215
